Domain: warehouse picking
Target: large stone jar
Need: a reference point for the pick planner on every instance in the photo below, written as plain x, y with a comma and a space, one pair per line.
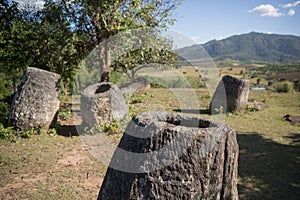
172, 156
36, 100
102, 103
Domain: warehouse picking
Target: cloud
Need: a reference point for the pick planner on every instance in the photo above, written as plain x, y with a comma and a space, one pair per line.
291, 12
289, 5
267, 10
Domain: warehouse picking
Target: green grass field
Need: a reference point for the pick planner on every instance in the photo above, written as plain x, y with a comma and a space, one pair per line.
59, 167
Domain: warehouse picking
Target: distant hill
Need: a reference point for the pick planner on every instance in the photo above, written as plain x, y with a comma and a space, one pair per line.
249, 47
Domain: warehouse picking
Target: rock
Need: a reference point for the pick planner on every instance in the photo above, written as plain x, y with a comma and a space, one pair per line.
293, 119
36, 100
172, 156
102, 103
231, 95
139, 86
256, 105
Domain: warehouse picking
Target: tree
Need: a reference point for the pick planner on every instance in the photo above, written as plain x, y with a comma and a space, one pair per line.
258, 81
9, 59
41, 38
141, 58
102, 19
59, 35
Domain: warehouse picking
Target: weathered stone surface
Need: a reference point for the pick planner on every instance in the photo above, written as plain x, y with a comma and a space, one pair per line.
231, 95
139, 86
102, 103
256, 105
293, 119
168, 156
36, 101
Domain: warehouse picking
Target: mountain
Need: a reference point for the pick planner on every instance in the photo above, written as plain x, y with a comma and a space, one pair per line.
249, 47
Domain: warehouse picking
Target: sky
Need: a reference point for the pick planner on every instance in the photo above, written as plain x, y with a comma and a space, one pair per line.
204, 20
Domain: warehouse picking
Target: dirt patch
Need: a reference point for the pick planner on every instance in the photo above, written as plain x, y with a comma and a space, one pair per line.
74, 157
55, 167
21, 182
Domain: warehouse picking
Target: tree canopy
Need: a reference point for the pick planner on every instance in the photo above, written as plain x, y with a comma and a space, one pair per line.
59, 35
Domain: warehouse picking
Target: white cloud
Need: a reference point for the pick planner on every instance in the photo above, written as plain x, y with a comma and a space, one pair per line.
267, 10
289, 5
291, 12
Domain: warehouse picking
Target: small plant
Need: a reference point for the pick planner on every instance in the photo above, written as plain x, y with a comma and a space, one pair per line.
251, 100
207, 96
251, 108
137, 99
28, 133
4, 112
219, 110
7, 133
265, 99
93, 130
111, 128
64, 115
52, 131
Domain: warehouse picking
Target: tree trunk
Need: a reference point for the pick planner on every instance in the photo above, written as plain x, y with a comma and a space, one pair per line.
133, 74
104, 56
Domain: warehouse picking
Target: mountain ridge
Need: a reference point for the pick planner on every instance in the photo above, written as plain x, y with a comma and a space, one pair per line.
249, 47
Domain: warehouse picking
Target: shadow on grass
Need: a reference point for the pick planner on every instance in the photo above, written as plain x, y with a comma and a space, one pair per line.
67, 130
268, 170
193, 111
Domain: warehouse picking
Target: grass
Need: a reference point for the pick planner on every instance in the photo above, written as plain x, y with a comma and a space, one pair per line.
269, 146
48, 167
59, 167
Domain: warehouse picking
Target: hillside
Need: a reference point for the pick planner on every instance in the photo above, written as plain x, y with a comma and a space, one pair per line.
249, 47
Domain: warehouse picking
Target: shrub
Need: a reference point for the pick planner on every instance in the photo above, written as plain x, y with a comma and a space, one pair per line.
111, 128
285, 86
251, 108
137, 99
29, 133
52, 131
7, 133
64, 114
297, 85
115, 77
4, 112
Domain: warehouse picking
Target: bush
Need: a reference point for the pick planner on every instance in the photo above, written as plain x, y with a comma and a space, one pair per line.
4, 112
111, 128
64, 115
297, 85
196, 82
137, 99
115, 77
285, 86
29, 133
7, 133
